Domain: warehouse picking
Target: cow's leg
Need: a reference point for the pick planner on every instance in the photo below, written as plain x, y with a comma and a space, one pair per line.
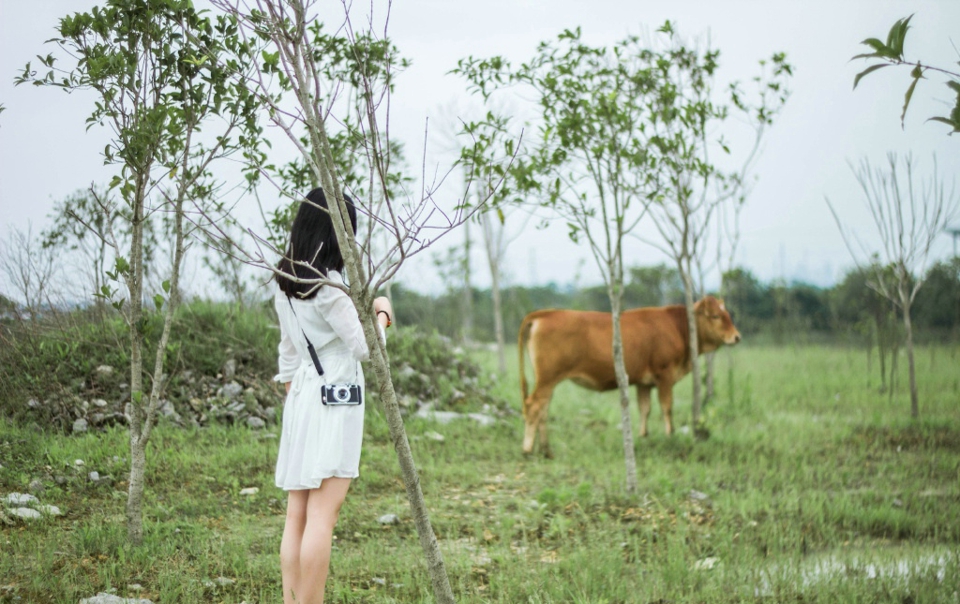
535, 419
665, 394
643, 401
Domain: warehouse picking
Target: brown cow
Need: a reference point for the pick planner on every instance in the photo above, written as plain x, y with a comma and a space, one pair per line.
578, 345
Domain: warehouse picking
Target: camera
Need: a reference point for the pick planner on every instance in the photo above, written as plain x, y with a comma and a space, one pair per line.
341, 394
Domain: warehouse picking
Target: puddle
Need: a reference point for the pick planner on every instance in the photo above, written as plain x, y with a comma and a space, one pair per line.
894, 564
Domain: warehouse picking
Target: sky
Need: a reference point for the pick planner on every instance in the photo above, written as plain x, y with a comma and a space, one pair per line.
46, 152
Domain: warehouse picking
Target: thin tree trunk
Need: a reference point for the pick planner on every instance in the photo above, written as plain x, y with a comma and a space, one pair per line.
693, 345
493, 260
882, 353
466, 325
137, 454
908, 325
411, 480
623, 386
379, 360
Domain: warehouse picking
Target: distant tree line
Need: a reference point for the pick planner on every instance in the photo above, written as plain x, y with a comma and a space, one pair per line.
778, 311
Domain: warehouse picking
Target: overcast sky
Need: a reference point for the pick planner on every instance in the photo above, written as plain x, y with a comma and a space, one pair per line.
46, 152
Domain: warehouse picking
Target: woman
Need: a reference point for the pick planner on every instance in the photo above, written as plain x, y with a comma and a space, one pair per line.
320, 443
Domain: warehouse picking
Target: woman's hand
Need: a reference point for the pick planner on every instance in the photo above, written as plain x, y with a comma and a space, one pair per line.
384, 311
287, 386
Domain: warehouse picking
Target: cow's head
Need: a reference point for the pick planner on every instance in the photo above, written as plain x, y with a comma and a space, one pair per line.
714, 325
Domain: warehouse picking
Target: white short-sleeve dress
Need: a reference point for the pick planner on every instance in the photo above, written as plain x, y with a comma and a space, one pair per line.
319, 441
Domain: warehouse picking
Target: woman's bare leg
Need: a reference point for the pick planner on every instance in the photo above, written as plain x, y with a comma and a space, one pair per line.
323, 507
290, 545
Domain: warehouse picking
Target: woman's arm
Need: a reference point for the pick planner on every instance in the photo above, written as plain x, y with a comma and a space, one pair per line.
384, 311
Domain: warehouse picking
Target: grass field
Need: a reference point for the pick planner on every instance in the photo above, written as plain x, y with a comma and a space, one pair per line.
819, 489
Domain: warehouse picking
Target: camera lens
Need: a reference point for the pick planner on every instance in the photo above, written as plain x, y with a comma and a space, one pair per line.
342, 393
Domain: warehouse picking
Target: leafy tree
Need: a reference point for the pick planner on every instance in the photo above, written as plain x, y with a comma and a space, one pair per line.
160, 70
692, 187
591, 162
891, 53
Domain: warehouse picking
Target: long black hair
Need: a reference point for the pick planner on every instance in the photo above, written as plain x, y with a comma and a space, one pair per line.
312, 240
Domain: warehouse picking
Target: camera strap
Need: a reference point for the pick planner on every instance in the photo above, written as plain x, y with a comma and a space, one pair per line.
310, 349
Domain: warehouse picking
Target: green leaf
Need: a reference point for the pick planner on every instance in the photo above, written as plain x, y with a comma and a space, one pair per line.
866, 71
906, 99
137, 396
158, 302
166, 286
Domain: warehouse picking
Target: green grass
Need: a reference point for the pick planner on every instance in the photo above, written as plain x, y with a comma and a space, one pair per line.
807, 467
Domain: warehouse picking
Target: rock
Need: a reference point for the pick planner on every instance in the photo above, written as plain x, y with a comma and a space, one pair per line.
99, 402
388, 519
482, 419
33, 403
80, 426
36, 486
683, 430
49, 510
78, 463
219, 581
434, 436
696, 495
249, 491
256, 423
168, 411
94, 476
135, 587
379, 581
20, 499
898, 503
705, 564
25, 513
231, 390
60, 480
105, 598
445, 417
229, 369
104, 370
270, 413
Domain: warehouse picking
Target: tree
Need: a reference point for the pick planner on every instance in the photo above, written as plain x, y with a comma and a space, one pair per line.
908, 216
81, 225
891, 53
692, 186
160, 71
591, 162
32, 270
487, 161
314, 86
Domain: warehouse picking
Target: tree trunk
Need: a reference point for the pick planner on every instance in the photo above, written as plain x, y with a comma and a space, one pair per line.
498, 322
623, 387
881, 353
693, 345
379, 361
466, 326
908, 325
138, 468
493, 260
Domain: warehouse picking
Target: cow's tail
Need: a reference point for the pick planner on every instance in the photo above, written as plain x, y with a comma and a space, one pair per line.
521, 345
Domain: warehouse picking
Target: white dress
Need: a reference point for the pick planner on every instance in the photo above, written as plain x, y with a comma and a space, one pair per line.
319, 441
